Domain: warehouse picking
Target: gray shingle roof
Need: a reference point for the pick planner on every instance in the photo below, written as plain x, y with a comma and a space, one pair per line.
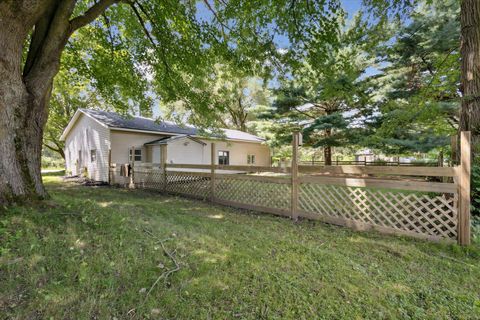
115, 120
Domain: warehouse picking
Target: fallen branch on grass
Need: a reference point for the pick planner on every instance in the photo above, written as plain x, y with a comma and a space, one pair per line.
167, 273
164, 275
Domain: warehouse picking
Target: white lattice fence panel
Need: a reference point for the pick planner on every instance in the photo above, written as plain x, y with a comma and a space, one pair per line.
116, 178
431, 214
149, 179
189, 183
253, 192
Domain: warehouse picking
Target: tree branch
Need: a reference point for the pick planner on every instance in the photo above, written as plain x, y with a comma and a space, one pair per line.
38, 38
59, 150
222, 25
91, 14
142, 23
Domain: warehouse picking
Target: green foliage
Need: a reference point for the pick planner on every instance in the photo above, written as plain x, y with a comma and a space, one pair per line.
235, 100
326, 96
52, 162
147, 50
86, 254
475, 192
52, 159
419, 96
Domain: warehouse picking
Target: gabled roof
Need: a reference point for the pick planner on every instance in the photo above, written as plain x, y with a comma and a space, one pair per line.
167, 140
116, 121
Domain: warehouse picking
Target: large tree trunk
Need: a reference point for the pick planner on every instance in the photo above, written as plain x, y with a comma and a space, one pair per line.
22, 118
25, 90
470, 70
26, 84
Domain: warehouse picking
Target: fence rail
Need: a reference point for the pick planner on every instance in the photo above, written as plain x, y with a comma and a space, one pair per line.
398, 200
372, 163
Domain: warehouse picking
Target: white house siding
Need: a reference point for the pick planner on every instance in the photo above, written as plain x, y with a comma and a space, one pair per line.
185, 151
123, 141
238, 152
86, 135
177, 152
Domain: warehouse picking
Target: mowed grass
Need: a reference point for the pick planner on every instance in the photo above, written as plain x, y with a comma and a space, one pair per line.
94, 252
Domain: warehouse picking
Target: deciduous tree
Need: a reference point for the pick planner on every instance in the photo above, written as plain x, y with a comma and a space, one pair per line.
135, 47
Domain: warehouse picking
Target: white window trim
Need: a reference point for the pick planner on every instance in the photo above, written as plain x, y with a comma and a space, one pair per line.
135, 155
251, 159
228, 156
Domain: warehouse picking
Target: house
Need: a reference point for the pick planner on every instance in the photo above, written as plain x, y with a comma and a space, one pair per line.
366, 155
92, 137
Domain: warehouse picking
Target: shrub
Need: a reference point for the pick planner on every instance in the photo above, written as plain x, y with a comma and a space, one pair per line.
52, 162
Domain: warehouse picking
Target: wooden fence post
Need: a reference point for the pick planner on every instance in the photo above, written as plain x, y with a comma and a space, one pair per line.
131, 185
163, 166
294, 176
212, 171
464, 189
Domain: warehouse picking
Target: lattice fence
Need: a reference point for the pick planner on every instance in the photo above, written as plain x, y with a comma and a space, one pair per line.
116, 178
268, 193
194, 184
430, 214
146, 178
394, 206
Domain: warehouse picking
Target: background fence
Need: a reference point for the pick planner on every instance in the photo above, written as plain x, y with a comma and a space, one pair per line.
398, 200
337, 162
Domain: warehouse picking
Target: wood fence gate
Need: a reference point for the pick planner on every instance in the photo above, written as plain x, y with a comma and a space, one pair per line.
425, 202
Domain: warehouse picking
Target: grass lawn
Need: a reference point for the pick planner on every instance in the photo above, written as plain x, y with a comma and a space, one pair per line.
94, 252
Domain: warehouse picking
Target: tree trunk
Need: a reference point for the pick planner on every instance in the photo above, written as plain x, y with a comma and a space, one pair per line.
327, 154
22, 119
470, 70
26, 84
24, 94
327, 150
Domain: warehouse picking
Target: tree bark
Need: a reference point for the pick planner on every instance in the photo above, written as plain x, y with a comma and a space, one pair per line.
25, 87
327, 150
25, 91
18, 173
470, 70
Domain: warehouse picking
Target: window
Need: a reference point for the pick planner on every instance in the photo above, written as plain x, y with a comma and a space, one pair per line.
93, 155
251, 159
138, 155
223, 157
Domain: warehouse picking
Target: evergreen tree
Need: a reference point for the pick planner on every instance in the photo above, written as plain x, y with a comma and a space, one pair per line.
419, 100
326, 96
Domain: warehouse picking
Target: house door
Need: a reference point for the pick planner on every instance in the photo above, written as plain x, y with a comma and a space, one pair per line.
156, 156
